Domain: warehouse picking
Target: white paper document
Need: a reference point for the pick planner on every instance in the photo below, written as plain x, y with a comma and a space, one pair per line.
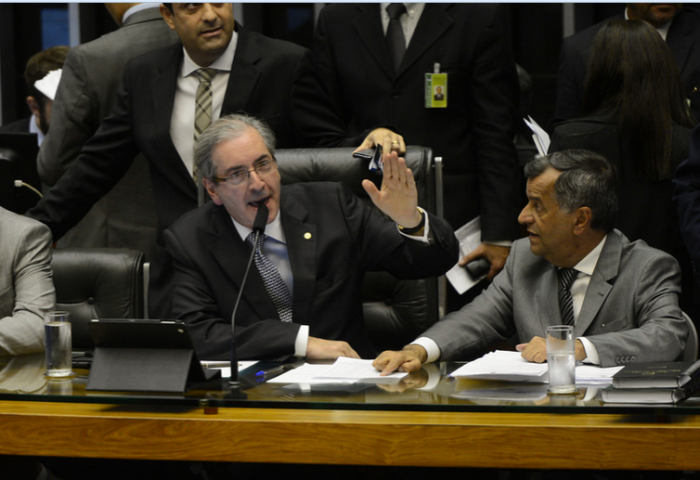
469, 237
344, 370
540, 137
511, 366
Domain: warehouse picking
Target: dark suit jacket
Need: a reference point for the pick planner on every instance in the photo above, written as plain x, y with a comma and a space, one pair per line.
125, 217
346, 239
686, 195
270, 79
18, 126
630, 312
474, 134
683, 39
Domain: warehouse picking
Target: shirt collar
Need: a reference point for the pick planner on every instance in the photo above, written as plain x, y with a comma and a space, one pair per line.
663, 29
272, 230
588, 263
34, 128
413, 9
223, 63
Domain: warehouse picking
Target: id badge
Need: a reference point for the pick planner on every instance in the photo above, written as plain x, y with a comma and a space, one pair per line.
435, 90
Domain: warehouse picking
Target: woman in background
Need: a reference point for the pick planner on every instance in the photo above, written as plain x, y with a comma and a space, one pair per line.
637, 116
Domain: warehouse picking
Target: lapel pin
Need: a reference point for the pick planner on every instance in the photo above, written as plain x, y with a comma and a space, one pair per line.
307, 235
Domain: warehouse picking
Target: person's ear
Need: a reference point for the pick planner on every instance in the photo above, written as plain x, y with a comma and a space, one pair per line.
583, 219
33, 106
211, 190
167, 16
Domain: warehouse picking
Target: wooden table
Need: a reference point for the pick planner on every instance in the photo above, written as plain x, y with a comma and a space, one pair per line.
354, 437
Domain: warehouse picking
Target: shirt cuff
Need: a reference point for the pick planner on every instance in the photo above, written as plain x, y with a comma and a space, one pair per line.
426, 230
499, 243
302, 341
591, 352
430, 347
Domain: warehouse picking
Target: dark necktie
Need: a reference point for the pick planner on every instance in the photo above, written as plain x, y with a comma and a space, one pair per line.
275, 286
394, 33
566, 301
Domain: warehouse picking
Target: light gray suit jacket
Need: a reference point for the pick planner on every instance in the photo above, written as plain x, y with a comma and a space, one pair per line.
630, 312
91, 77
26, 284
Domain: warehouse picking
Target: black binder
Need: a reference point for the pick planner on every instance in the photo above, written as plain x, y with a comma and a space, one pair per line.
144, 356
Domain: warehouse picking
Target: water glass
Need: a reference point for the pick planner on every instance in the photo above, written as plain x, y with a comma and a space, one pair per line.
59, 356
561, 359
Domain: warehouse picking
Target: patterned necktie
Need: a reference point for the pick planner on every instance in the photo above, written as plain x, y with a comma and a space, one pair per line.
394, 33
275, 286
202, 118
566, 301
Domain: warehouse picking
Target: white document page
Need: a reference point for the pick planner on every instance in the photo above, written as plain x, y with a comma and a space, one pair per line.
469, 237
344, 370
540, 137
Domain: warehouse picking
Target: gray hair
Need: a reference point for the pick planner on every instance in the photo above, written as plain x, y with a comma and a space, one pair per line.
227, 128
587, 180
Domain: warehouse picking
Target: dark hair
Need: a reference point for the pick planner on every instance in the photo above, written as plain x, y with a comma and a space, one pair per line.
632, 73
224, 129
39, 65
587, 180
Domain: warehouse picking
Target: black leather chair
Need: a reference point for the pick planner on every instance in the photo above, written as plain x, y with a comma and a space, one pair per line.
97, 283
396, 311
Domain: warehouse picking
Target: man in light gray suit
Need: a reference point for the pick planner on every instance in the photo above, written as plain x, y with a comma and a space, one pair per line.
26, 285
87, 92
625, 295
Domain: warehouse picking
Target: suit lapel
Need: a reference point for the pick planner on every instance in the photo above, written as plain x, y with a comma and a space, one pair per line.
599, 287
244, 74
231, 253
547, 299
368, 27
680, 39
433, 23
302, 241
163, 88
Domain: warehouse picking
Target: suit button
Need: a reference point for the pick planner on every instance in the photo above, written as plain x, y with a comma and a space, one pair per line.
617, 360
633, 359
395, 93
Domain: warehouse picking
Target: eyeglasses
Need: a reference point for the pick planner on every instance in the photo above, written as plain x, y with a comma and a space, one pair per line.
237, 177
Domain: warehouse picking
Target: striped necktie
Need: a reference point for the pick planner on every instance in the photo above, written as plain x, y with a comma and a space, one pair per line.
202, 118
566, 301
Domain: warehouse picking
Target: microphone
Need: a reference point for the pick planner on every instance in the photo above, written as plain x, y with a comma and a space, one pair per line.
259, 225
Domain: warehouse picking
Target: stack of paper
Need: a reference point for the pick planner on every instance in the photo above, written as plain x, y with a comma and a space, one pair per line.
344, 370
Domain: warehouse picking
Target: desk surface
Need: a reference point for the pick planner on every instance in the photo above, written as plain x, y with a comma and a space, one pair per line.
370, 426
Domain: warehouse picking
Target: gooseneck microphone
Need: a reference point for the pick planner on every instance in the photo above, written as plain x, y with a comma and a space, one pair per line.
259, 229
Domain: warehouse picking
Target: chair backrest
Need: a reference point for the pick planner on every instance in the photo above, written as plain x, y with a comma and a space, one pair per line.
690, 354
396, 311
97, 283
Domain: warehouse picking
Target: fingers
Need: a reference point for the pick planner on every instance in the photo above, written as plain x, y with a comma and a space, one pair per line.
368, 143
534, 351
405, 361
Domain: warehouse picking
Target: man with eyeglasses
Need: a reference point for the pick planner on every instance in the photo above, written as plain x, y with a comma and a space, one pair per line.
320, 239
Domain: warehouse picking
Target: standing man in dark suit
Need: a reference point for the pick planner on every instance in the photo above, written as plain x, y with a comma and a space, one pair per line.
125, 217
469, 46
155, 115
679, 26
319, 240
620, 296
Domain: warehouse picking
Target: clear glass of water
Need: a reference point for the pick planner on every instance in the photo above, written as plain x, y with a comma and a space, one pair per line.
59, 356
561, 359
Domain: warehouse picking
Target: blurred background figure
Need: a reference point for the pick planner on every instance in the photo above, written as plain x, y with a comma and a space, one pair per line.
124, 218
635, 113
40, 106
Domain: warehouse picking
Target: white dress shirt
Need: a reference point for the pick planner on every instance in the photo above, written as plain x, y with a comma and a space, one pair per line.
182, 119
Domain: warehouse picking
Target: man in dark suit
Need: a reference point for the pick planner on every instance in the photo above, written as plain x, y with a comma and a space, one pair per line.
473, 133
125, 217
319, 237
154, 115
622, 298
679, 26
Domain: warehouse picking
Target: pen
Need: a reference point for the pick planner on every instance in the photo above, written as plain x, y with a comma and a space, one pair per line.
272, 371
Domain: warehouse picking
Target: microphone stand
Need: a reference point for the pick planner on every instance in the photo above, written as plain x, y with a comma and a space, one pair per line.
258, 228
